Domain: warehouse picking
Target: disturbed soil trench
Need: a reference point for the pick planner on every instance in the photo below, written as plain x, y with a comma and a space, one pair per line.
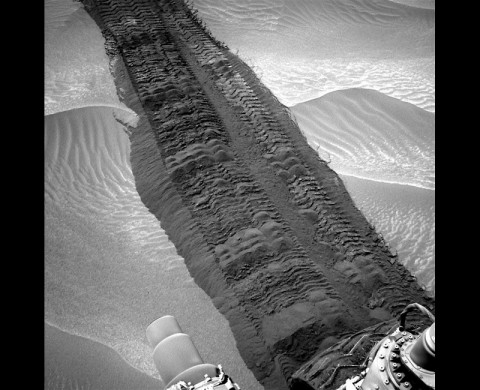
266, 228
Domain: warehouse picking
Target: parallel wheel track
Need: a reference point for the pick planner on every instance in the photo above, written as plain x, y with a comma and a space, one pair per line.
266, 228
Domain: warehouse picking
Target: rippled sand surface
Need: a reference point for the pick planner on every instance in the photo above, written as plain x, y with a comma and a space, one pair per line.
109, 268
384, 150
365, 133
76, 65
405, 215
304, 49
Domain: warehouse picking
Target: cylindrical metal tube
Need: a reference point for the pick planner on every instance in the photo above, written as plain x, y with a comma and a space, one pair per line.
162, 328
423, 351
175, 355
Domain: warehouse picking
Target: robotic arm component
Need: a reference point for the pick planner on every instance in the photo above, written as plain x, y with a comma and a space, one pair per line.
402, 360
384, 356
179, 362
380, 357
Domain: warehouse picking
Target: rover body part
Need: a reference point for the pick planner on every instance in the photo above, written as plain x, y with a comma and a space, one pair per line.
178, 361
403, 360
385, 356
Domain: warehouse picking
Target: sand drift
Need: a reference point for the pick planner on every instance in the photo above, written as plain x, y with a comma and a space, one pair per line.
109, 267
304, 49
266, 228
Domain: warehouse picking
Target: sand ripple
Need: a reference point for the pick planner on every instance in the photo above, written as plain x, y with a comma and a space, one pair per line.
276, 14
384, 149
367, 134
405, 216
76, 65
109, 268
304, 49
295, 81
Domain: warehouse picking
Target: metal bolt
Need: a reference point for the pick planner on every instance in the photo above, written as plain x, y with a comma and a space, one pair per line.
381, 355
381, 368
399, 375
404, 333
396, 347
406, 384
385, 345
393, 356
395, 365
386, 381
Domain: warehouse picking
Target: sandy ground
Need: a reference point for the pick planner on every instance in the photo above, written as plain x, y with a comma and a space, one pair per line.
304, 49
104, 279
74, 362
109, 268
265, 227
387, 161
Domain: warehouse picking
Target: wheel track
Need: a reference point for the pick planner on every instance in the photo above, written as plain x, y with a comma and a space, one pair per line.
262, 249
270, 135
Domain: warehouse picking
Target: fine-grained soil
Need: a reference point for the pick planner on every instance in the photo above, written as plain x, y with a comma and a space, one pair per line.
74, 362
266, 228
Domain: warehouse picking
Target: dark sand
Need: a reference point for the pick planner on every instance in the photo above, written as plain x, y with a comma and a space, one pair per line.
387, 161
265, 227
109, 267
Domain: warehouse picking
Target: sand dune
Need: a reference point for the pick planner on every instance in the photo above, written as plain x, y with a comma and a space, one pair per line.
266, 228
304, 49
370, 135
384, 149
109, 268
76, 65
